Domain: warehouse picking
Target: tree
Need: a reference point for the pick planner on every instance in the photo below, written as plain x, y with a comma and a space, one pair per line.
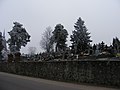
116, 45
94, 48
32, 50
1, 46
102, 46
18, 37
80, 37
60, 37
46, 41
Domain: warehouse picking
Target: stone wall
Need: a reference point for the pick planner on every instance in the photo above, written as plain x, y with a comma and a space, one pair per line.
96, 72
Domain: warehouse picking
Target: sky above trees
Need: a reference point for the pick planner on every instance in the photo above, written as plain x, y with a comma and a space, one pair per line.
102, 17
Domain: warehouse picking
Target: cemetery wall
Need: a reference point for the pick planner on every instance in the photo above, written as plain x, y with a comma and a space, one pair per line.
95, 72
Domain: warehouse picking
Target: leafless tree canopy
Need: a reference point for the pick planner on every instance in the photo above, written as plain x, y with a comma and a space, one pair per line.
45, 42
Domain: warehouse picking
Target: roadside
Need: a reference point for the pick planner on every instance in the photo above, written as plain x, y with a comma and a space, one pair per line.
56, 83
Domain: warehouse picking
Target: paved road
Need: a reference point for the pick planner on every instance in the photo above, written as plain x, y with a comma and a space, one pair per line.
16, 82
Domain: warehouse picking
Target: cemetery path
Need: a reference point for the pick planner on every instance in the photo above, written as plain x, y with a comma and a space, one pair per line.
16, 82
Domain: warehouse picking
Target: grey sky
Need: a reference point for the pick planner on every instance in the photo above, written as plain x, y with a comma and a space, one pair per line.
102, 17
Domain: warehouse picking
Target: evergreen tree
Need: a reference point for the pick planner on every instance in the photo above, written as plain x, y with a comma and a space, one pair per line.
60, 37
102, 46
1, 46
18, 37
94, 48
80, 37
116, 45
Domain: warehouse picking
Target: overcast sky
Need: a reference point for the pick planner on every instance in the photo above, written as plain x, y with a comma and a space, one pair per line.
102, 17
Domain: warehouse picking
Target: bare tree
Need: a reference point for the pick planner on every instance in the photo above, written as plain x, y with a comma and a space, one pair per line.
32, 50
46, 40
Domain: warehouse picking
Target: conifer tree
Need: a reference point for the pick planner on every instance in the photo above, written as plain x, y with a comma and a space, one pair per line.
18, 37
1, 46
60, 37
116, 45
80, 37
